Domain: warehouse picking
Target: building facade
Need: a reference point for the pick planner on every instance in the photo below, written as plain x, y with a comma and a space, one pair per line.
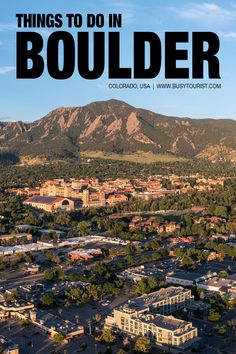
148, 315
50, 204
164, 330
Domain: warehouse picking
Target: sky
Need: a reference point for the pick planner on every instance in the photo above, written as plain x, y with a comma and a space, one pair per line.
27, 100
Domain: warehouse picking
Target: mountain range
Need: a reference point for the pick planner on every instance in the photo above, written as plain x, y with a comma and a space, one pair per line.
116, 127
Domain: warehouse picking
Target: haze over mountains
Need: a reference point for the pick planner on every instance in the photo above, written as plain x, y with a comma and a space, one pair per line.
116, 127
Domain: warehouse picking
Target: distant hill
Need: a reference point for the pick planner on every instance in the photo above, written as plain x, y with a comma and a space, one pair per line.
116, 127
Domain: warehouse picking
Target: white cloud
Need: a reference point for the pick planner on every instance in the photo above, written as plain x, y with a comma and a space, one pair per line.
129, 11
126, 5
128, 17
6, 69
8, 27
206, 13
229, 35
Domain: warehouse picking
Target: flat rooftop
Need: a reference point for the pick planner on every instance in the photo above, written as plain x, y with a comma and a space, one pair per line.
148, 300
192, 276
166, 322
219, 282
48, 320
17, 304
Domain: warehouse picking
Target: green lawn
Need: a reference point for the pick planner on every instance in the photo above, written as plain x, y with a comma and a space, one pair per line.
139, 156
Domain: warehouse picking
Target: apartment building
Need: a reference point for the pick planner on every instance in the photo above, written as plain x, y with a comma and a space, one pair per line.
148, 315
164, 301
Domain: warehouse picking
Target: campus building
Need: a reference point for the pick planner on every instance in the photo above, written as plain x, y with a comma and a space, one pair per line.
50, 204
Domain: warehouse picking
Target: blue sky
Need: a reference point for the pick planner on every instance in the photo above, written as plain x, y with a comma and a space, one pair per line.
28, 100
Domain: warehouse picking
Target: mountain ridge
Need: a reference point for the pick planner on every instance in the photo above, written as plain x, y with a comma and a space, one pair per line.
116, 127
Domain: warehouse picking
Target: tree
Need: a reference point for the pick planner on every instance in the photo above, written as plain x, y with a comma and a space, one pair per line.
108, 350
59, 273
48, 275
101, 269
145, 259
97, 318
142, 287
106, 336
221, 211
142, 345
94, 291
214, 315
130, 260
152, 283
11, 296
79, 295
47, 300
129, 249
121, 351
223, 274
24, 322
59, 337
74, 277
83, 228
155, 245
221, 331
188, 263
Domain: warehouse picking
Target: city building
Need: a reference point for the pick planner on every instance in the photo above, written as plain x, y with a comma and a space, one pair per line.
141, 316
30, 247
15, 238
15, 306
116, 198
219, 285
163, 330
84, 255
164, 301
52, 325
188, 278
152, 224
32, 268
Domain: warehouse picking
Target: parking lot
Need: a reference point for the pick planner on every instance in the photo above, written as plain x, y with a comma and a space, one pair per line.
32, 341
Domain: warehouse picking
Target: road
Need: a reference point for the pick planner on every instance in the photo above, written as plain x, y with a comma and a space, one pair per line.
24, 279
